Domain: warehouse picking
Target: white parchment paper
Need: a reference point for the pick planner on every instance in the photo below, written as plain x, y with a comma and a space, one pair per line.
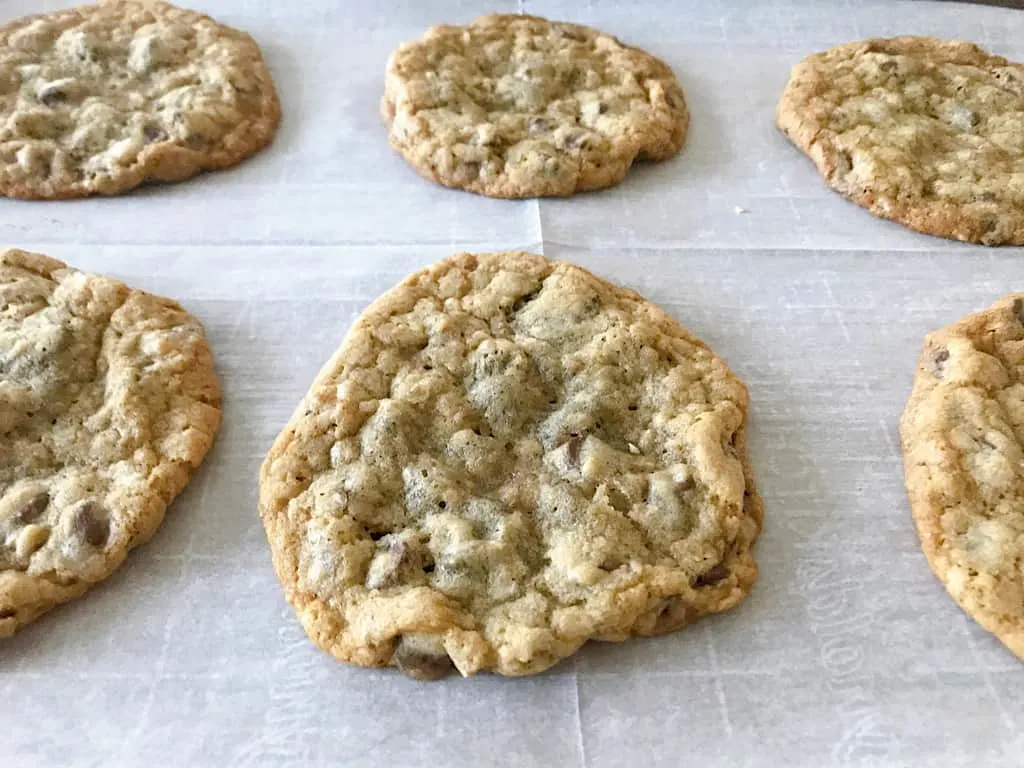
848, 652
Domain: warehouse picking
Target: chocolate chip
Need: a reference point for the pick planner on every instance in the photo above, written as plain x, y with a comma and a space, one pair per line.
939, 361
537, 125
422, 660
572, 450
619, 501
888, 66
51, 97
711, 577
91, 524
8, 613
154, 133
844, 163
1018, 310
523, 300
33, 508
672, 614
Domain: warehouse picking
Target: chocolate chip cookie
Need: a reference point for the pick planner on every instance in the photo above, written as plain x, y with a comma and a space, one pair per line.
926, 132
519, 106
507, 457
108, 403
964, 463
99, 99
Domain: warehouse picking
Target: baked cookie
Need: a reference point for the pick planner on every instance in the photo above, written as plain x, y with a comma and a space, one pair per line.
926, 132
507, 457
962, 435
100, 99
519, 106
108, 403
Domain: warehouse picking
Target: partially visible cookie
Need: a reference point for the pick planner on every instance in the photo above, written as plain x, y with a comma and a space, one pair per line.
507, 457
108, 403
963, 447
99, 99
926, 132
519, 106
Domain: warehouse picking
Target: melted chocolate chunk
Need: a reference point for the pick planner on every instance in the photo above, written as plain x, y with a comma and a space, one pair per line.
91, 524
32, 509
711, 577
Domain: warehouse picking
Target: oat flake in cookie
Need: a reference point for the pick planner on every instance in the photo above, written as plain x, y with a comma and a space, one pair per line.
99, 99
964, 464
518, 106
108, 403
926, 132
507, 457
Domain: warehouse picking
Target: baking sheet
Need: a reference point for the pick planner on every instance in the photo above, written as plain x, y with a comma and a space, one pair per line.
848, 652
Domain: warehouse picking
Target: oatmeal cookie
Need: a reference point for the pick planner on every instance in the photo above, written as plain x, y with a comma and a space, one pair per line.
99, 99
108, 403
926, 132
507, 457
964, 464
519, 106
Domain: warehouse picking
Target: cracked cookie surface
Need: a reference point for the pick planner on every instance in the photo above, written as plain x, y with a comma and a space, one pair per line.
99, 99
926, 132
519, 106
962, 434
507, 457
108, 403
